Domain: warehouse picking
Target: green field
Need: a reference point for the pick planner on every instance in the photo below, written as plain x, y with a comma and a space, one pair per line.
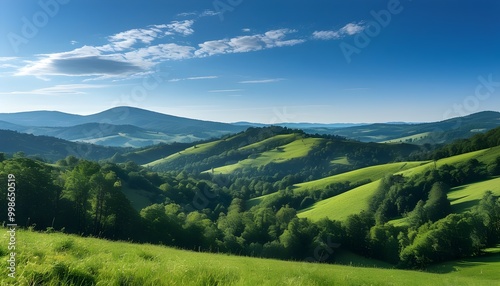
372, 173
356, 200
197, 149
341, 161
60, 259
296, 149
485, 156
343, 205
281, 139
410, 138
464, 197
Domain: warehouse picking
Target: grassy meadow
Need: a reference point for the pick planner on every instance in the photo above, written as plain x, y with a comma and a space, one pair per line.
343, 205
357, 199
296, 149
61, 259
372, 173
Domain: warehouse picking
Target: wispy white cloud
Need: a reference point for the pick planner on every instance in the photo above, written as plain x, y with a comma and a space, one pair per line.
66, 89
10, 64
206, 13
120, 57
194, 78
7, 59
225, 90
262, 81
180, 27
138, 51
241, 44
209, 13
348, 30
186, 14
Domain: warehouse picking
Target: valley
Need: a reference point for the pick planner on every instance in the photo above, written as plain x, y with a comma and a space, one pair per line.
280, 195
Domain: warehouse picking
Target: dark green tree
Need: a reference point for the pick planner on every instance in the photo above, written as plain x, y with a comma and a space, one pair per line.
437, 205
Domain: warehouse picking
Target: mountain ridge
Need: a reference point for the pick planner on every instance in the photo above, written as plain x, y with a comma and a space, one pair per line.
126, 126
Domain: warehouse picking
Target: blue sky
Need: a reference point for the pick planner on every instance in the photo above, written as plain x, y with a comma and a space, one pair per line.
253, 60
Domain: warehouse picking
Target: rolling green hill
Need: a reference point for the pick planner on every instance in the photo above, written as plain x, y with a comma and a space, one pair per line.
274, 150
355, 177
61, 259
357, 200
464, 197
299, 148
371, 173
343, 205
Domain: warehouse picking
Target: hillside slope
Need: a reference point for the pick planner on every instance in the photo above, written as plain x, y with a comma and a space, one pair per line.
357, 200
51, 148
270, 147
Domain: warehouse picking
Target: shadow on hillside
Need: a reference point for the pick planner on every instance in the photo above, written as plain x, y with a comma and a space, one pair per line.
454, 266
456, 189
463, 206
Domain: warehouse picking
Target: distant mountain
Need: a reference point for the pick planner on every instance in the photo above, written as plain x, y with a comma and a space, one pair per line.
134, 127
302, 125
120, 126
420, 133
52, 149
105, 134
42, 118
10, 126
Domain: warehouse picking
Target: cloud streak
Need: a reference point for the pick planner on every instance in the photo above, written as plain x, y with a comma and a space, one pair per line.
242, 44
194, 78
66, 89
348, 30
272, 80
225, 90
138, 51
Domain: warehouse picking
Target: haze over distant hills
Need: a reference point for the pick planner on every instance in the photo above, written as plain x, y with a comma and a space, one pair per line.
134, 127
120, 126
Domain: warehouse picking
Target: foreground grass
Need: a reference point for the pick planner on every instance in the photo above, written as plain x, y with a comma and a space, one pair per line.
60, 259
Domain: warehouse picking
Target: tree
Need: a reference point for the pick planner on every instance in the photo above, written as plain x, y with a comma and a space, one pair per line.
449, 238
493, 168
284, 216
102, 186
417, 217
384, 243
298, 239
35, 192
77, 189
437, 205
357, 230
489, 209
